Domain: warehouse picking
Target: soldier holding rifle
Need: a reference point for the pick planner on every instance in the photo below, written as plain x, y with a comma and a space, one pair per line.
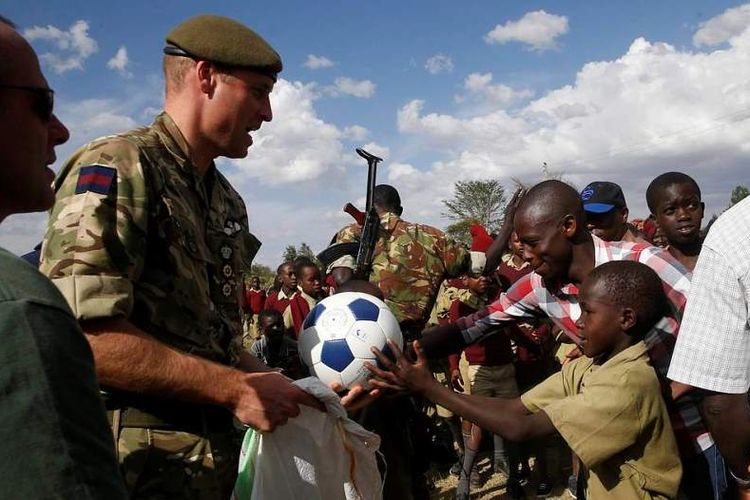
408, 262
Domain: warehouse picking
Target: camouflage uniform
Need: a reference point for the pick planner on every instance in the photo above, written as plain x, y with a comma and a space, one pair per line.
164, 248
409, 264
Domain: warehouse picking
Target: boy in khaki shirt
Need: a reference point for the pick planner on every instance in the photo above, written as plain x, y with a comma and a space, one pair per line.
607, 405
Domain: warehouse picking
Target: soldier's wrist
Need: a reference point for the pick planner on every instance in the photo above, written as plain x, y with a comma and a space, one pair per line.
230, 388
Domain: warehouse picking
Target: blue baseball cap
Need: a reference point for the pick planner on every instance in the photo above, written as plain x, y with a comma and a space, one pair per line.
601, 197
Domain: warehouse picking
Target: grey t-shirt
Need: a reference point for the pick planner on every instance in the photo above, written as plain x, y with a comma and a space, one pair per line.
54, 433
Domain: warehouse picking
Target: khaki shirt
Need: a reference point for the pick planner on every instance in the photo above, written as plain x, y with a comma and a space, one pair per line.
614, 418
161, 246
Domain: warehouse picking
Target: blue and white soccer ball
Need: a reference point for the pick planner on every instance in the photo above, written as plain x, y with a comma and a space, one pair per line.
338, 333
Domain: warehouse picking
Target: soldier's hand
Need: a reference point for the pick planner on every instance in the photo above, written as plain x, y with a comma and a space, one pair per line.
268, 399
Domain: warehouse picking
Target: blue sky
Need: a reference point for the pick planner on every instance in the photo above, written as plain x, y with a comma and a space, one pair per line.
443, 90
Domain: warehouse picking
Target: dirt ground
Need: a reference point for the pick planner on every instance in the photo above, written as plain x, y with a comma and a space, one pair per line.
493, 487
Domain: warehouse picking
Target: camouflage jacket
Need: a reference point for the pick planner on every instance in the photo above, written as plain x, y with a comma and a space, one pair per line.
136, 233
410, 261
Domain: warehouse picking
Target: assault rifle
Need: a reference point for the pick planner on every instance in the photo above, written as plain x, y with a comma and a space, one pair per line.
372, 221
369, 221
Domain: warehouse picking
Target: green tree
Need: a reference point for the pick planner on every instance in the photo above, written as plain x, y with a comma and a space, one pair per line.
292, 253
305, 250
480, 201
739, 193
265, 273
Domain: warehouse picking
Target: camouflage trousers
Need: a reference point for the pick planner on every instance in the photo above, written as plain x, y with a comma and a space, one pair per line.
166, 465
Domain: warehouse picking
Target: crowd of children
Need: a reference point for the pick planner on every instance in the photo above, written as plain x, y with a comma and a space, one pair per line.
632, 434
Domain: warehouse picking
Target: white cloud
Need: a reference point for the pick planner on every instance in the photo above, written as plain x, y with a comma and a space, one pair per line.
356, 133
74, 46
91, 118
399, 170
120, 62
537, 29
317, 62
721, 28
654, 109
480, 88
279, 221
297, 146
439, 63
348, 86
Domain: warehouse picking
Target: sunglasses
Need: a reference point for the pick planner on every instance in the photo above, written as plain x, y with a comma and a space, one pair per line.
44, 99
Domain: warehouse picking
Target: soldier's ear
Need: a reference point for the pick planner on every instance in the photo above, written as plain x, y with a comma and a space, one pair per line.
206, 76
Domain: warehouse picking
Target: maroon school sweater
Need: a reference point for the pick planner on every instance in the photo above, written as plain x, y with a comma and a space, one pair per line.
255, 300
273, 302
494, 350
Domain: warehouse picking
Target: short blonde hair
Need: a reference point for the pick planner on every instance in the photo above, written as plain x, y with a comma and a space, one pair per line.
175, 68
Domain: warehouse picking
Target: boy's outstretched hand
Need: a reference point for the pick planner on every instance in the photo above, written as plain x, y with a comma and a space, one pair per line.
402, 373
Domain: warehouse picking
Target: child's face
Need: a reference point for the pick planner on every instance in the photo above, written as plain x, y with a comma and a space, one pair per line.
271, 326
288, 278
679, 212
255, 283
478, 284
600, 325
515, 245
309, 281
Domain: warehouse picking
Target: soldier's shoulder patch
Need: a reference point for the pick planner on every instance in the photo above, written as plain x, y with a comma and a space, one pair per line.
96, 179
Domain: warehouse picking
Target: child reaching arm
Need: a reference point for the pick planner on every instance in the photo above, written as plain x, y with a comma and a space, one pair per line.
607, 405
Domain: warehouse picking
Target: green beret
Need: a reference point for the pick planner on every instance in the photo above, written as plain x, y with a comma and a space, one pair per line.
224, 41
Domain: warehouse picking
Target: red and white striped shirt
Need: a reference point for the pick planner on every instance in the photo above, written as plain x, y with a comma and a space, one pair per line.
531, 297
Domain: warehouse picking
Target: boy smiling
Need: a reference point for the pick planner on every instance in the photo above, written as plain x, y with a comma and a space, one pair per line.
607, 405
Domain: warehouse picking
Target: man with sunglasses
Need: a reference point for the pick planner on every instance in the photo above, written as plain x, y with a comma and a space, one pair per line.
56, 441
148, 241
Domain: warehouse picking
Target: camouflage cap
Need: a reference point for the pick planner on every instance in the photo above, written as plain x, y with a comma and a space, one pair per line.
224, 41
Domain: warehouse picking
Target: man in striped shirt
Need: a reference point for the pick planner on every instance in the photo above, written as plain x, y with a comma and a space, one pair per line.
550, 224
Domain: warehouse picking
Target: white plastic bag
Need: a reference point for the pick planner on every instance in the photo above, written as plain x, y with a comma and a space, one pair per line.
316, 455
